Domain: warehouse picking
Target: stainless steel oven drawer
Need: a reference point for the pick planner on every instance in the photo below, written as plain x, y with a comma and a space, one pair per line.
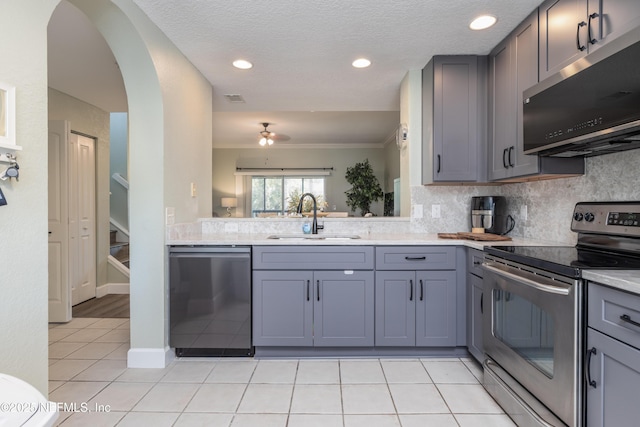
615, 313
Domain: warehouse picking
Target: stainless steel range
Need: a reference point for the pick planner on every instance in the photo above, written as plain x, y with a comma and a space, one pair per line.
534, 329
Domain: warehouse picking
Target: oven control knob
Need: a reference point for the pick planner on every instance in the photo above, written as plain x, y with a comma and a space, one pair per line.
577, 216
589, 217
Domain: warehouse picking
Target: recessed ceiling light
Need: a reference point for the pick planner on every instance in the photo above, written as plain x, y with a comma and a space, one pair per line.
361, 63
242, 64
483, 22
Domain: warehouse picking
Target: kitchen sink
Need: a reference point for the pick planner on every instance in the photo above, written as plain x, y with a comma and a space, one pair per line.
313, 237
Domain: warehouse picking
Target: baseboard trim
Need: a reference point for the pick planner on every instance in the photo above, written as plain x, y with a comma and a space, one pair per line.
112, 288
149, 357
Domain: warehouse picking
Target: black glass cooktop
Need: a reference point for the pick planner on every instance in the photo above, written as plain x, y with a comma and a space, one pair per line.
565, 260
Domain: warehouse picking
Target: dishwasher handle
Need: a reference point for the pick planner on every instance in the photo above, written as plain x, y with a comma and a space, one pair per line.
210, 255
210, 249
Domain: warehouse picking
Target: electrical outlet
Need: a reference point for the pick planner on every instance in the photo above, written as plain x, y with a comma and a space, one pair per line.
435, 211
194, 192
417, 211
523, 212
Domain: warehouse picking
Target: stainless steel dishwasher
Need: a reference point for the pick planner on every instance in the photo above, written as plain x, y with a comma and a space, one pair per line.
210, 300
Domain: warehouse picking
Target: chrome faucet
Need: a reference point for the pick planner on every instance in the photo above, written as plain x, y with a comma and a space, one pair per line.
314, 226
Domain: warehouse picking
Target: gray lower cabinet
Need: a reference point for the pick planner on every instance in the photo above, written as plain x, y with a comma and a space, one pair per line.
319, 308
416, 307
343, 309
612, 361
282, 308
475, 303
476, 308
302, 297
614, 372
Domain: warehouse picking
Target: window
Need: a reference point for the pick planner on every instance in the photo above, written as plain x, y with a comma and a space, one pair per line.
273, 194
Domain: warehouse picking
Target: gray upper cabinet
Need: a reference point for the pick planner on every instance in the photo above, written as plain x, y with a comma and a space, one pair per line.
561, 25
513, 68
570, 29
453, 102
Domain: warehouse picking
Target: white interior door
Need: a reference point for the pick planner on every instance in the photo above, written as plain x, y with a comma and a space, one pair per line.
59, 290
82, 224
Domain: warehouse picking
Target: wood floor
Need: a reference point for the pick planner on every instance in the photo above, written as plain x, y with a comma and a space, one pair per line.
108, 306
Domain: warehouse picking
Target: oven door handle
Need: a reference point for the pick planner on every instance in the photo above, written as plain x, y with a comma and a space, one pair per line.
528, 282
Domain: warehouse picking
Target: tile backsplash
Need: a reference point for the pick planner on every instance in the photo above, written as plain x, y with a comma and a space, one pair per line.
549, 204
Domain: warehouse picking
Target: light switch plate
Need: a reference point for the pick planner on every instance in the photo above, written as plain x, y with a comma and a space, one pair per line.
194, 192
170, 216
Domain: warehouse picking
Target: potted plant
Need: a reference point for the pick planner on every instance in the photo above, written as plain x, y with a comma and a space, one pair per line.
365, 188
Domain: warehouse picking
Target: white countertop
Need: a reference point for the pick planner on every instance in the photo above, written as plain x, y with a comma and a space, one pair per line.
626, 280
373, 239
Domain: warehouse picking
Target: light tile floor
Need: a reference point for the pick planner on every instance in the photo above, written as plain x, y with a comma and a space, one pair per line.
88, 367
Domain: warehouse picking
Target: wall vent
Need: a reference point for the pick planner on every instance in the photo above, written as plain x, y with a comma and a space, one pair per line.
235, 99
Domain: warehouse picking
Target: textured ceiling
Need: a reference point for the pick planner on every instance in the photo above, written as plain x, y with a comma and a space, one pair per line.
302, 52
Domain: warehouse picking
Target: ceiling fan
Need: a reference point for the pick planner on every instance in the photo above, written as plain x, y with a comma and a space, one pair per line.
267, 137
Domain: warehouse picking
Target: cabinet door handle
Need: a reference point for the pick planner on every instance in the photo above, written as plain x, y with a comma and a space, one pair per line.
591, 352
591, 39
627, 318
504, 158
482, 303
579, 46
421, 290
410, 290
308, 290
318, 289
415, 258
438, 168
511, 151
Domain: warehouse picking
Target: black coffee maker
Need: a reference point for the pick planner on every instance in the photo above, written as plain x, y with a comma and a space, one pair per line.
490, 213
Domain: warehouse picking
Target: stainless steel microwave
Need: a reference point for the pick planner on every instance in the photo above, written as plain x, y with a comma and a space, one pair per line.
589, 108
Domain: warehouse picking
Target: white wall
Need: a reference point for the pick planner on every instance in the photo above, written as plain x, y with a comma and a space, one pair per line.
23, 222
225, 162
411, 155
90, 120
169, 148
154, 113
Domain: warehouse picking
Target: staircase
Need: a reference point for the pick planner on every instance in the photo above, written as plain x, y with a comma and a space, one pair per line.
119, 250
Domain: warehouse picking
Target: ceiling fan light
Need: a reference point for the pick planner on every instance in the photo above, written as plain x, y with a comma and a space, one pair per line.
270, 141
263, 142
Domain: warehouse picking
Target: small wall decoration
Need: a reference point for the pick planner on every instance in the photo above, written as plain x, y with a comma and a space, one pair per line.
8, 116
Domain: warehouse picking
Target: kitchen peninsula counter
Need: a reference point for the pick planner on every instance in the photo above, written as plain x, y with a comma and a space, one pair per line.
372, 239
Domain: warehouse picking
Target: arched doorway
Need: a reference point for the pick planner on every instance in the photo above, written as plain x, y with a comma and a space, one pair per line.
115, 21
